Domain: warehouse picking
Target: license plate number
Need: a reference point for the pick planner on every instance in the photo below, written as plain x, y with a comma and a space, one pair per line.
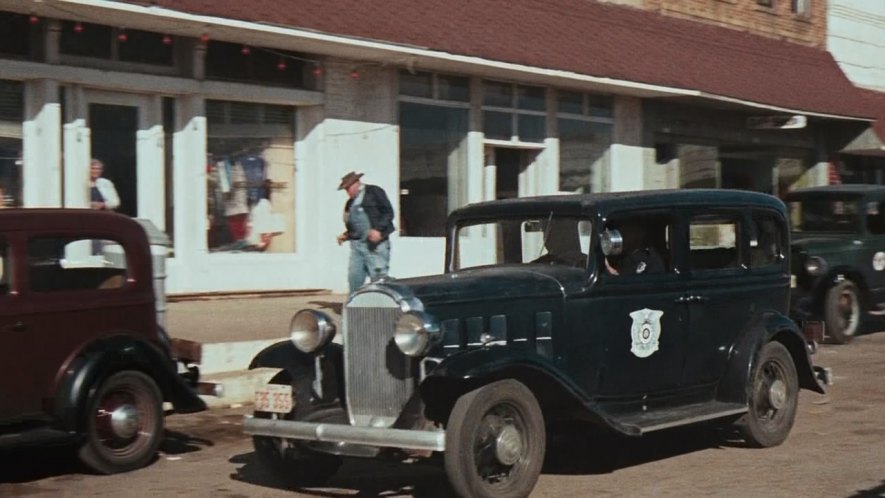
274, 398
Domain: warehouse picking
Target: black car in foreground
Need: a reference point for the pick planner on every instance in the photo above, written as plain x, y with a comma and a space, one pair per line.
838, 262
634, 312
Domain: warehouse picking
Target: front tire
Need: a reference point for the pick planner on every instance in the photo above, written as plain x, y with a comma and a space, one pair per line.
774, 397
291, 462
495, 442
842, 312
124, 423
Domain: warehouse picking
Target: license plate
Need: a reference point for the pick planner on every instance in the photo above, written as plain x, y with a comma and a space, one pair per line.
274, 398
792, 281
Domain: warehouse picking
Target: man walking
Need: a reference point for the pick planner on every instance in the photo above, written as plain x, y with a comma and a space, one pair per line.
368, 220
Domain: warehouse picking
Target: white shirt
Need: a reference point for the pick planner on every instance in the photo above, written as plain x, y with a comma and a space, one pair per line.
108, 193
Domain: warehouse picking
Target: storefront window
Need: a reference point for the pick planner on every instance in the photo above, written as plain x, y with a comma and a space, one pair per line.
514, 112
251, 173
585, 137
119, 44
18, 37
11, 117
432, 166
235, 62
583, 154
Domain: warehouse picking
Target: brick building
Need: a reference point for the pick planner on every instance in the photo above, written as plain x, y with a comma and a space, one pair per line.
202, 109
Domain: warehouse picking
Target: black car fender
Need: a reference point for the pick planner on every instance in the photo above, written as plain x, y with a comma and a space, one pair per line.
323, 370
766, 326
463, 372
112, 354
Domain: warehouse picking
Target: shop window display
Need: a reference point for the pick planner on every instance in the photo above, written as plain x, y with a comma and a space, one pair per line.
250, 171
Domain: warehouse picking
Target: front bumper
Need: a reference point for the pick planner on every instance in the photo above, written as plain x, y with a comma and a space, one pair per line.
340, 433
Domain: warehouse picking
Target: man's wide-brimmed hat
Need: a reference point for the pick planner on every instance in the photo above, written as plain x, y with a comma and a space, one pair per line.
349, 179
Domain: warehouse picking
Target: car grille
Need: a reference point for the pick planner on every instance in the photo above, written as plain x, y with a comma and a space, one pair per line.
378, 377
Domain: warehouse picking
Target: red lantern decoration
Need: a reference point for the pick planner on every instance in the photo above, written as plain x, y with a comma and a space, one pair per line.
355, 74
167, 40
78, 28
122, 36
204, 37
33, 19
245, 50
317, 71
282, 64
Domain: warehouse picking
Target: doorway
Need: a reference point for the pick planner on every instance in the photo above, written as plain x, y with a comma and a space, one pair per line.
114, 129
512, 167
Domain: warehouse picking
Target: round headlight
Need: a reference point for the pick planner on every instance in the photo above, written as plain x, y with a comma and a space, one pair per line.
310, 330
815, 266
416, 333
611, 243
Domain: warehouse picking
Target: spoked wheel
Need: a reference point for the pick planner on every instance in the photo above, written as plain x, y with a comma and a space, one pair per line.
842, 312
773, 399
124, 424
495, 441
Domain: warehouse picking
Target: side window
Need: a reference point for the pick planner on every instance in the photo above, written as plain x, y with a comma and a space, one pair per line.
75, 263
875, 217
5, 268
638, 244
713, 243
766, 241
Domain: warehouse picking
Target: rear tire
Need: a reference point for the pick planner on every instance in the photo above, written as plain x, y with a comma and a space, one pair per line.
774, 396
124, 423
495, 442
842, 312
291, 462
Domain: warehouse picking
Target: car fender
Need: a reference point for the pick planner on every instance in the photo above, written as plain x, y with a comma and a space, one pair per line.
469, 370
766, 326
327, 365
111, 354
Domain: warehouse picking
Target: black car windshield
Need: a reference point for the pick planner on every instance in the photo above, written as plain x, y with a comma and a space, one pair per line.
542, 239
824, 214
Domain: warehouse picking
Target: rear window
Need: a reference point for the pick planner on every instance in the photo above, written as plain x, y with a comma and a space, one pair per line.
829, 214
75, 263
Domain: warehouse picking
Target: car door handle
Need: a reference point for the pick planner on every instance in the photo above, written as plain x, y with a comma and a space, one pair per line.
16, 327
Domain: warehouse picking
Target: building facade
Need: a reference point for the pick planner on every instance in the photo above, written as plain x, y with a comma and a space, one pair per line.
221, 123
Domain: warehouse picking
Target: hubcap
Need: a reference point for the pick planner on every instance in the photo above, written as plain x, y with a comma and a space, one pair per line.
777, 394
124, 421
508, 445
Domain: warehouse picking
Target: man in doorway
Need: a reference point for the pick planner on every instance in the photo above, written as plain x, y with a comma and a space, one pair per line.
102, 193
368, 219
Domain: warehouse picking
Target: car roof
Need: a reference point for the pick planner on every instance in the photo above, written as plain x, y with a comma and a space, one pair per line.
603, 203
47, 219
857, 189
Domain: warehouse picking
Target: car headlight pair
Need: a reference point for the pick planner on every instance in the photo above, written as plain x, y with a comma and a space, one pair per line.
310, 330
815, 266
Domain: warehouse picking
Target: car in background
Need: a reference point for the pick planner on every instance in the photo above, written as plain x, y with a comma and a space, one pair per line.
82, 355
838, 256
632, 312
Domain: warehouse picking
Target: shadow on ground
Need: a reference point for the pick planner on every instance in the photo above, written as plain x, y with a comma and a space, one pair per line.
569, 453
369, 478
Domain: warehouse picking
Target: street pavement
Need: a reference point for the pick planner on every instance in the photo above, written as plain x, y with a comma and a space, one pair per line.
232, 329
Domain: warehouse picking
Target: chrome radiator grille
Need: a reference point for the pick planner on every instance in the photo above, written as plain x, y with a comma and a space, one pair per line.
377, 375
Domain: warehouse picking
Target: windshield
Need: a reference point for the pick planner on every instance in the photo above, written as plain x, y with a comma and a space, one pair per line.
824, 215
544, 239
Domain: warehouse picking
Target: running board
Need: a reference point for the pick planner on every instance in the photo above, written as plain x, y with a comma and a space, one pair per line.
650, 421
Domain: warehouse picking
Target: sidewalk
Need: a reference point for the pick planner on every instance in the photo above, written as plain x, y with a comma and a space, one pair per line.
233, 329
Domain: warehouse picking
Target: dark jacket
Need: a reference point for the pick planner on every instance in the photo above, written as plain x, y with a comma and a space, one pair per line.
378, 209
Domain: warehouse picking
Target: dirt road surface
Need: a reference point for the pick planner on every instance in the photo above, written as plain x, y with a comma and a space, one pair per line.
836, 449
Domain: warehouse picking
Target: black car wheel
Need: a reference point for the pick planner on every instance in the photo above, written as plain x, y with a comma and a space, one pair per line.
842, 312
774, 396
124, 423
290, 462
495, 441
